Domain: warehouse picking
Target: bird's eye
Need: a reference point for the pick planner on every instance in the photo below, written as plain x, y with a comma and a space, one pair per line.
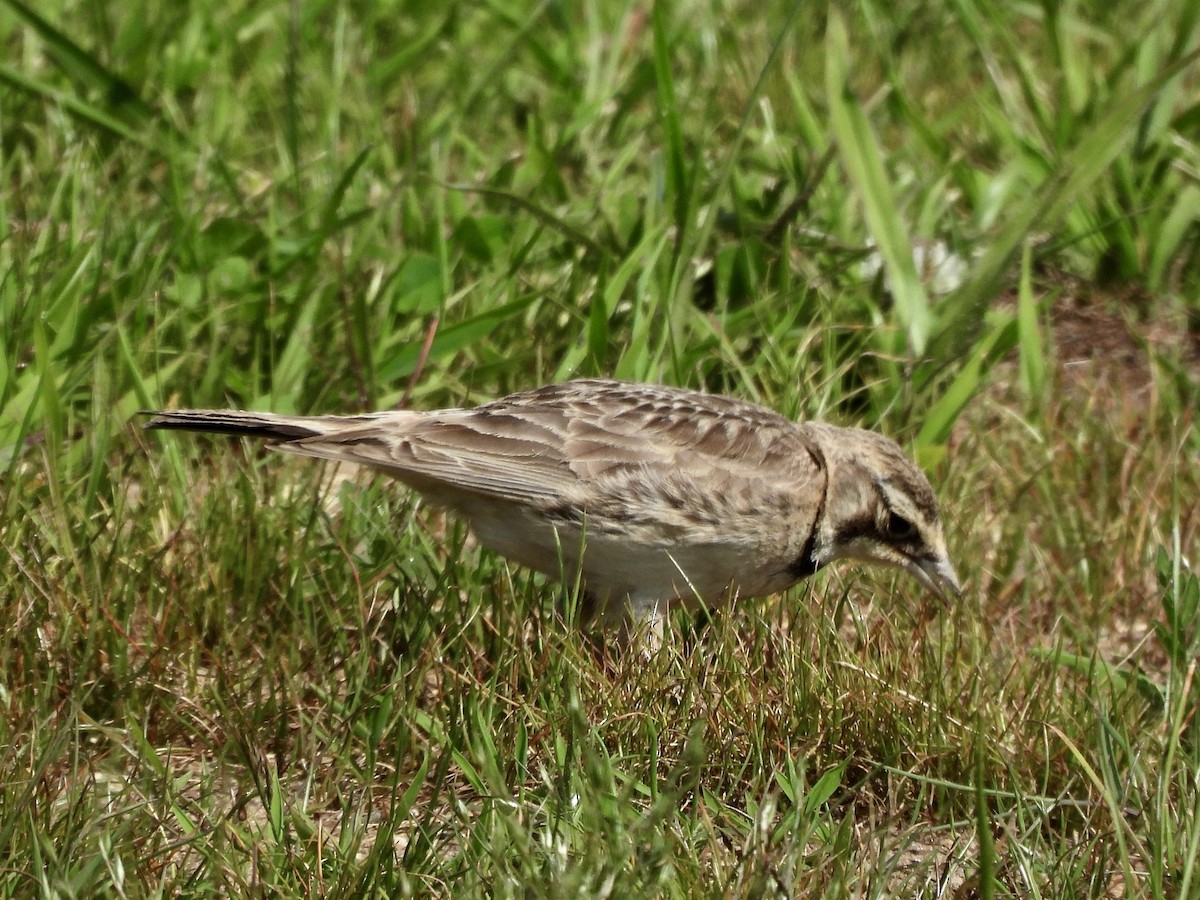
899, 528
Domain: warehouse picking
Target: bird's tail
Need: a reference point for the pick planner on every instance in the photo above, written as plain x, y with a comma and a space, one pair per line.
271, 426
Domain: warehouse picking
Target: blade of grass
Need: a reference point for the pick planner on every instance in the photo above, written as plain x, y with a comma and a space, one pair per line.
941, 418
1029, 335
678, 185
450, 339
85, 111
120, 97
860, 154
1075, 175
983, 829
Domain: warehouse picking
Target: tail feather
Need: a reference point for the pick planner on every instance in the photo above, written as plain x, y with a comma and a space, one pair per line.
271, 426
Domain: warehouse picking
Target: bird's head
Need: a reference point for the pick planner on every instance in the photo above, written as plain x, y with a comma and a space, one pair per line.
880, 508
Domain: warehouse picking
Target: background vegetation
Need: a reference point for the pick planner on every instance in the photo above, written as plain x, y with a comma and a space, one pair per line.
972, 225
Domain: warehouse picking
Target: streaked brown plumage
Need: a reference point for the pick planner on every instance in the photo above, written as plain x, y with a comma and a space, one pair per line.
672, 495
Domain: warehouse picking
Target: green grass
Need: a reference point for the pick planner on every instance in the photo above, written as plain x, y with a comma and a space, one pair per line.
226, 672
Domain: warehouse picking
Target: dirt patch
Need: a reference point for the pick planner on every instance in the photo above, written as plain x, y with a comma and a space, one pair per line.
1104, 348
1105, 343
1108, 347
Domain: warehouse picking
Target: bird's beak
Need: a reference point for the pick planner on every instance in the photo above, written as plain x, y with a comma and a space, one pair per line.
938, 576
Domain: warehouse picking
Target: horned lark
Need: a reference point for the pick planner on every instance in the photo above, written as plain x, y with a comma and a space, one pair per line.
654, 495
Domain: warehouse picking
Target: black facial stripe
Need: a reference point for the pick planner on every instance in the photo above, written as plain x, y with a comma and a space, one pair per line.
805, 565
863, 526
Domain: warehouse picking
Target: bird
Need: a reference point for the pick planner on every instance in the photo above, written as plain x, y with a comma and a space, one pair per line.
649, 496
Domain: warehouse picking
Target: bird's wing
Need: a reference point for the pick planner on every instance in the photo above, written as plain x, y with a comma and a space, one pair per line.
567, 444
585, 443
454, 452
614, 426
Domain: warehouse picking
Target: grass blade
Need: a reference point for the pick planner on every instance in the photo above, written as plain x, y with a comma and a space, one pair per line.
861, 157
120, 97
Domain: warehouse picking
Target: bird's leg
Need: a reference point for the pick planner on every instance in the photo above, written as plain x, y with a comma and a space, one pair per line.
644, 626
615, 630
